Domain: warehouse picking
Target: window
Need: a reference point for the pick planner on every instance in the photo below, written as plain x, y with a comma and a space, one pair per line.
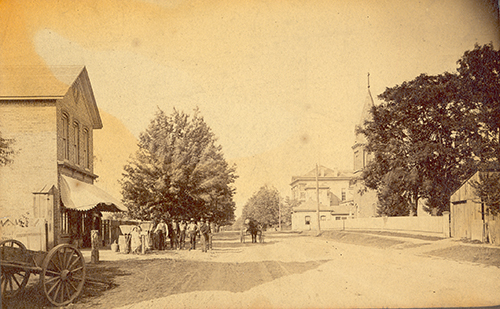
86, 148
64, 222
308, 220
76, 142
65, 136
337, 218
344, 194
302, 195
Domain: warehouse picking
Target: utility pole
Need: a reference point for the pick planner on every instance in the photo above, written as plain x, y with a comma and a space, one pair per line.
279, 214
317, 200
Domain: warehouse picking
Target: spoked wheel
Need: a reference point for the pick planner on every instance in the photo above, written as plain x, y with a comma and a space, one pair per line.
14, 279
63, 274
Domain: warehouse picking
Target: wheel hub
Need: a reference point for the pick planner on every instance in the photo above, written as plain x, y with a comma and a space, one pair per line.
65, 274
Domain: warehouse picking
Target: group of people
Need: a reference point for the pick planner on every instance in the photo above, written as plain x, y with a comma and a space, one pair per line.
179, 231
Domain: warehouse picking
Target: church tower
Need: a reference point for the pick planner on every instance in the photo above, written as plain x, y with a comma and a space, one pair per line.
366, 202
361, 156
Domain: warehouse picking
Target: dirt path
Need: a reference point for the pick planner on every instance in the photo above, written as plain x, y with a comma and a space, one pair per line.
295, 271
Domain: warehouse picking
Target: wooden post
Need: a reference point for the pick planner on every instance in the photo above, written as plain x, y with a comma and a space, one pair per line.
94, 238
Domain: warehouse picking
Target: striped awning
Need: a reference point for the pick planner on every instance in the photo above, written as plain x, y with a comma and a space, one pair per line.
78, 195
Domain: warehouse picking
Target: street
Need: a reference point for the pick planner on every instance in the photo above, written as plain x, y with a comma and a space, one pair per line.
293, 270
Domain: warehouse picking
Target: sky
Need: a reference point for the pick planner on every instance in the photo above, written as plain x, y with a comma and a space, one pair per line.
281, 83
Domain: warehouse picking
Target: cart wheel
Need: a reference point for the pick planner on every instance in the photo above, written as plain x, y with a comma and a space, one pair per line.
14, 279
63, 274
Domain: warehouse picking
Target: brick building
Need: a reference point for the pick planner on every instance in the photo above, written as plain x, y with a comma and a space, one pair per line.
50, 113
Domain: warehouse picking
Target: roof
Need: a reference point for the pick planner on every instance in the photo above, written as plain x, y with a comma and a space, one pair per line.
324, 172
24, 82
83, 196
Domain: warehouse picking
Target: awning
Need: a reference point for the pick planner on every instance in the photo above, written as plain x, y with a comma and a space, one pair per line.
82, 196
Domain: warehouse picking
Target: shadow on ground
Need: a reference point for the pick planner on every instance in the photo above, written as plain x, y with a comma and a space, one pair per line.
132, 281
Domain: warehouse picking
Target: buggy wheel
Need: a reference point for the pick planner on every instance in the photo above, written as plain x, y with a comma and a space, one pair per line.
63, 274
13, 279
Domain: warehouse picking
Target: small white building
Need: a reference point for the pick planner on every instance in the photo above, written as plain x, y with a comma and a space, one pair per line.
335, 198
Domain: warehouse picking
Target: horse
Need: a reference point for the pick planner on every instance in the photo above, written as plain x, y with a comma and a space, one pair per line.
255, 229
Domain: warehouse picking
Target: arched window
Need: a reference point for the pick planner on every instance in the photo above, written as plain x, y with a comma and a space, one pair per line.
65, 136
76, 142
86, 148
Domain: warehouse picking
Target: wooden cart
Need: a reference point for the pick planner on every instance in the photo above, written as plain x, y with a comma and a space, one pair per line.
62, 270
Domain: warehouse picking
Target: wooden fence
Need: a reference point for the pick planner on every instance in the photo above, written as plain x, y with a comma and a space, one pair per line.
33, 236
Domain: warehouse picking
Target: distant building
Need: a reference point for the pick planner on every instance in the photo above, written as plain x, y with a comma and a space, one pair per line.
335, 198
366, 202
50, 113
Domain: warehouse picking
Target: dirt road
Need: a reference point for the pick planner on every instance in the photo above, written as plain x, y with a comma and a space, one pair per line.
336, 270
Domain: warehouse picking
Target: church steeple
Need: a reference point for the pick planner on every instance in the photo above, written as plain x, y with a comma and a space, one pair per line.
360, 156
366, 112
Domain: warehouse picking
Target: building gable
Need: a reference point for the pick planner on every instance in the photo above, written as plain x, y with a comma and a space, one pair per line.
23, 83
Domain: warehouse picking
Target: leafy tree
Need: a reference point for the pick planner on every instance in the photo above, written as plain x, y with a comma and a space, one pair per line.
179, 171
480, 91
429, 134
480, 79
263, 206
6, 151
488, 190
286, 210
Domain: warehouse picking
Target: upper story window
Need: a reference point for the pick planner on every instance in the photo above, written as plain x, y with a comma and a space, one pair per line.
86, 148
65, 136
76, 142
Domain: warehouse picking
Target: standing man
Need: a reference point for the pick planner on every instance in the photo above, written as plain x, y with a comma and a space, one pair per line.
162, 232
182, 234
174, 237
204, 231
192, 229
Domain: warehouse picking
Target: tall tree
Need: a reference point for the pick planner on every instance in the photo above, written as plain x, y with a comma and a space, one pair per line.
479, 76
430, 133
263, 206
480, 79
420, 137
180, 171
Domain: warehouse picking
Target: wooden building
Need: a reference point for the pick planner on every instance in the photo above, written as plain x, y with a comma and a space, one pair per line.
469, 219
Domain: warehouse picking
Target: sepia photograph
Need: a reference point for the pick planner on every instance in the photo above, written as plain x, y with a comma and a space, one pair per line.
249, 154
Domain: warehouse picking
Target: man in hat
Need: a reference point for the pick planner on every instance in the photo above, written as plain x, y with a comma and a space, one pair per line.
192, 229
162, 232
204, 230
182, 234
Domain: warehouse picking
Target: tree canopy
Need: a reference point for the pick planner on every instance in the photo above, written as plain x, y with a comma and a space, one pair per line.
263, 206
429, 134
179, 171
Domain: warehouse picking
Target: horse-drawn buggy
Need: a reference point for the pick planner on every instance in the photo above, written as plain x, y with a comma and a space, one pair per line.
61, 270
253, 228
